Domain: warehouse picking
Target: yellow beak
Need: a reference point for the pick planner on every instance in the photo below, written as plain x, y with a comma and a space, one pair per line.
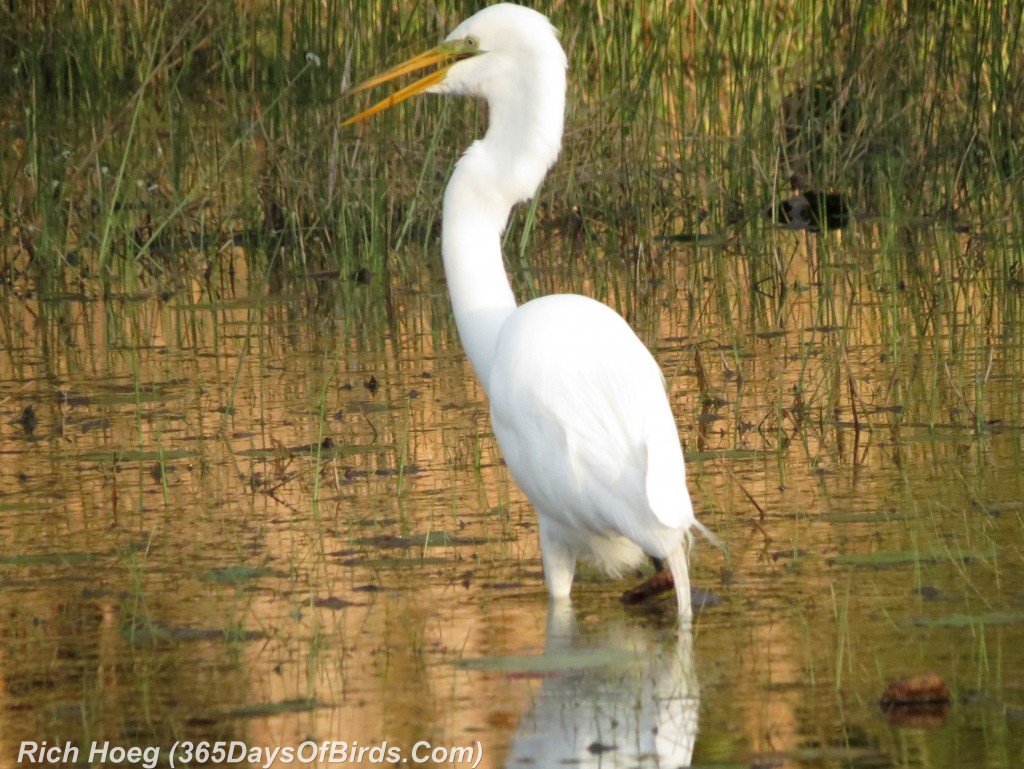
448, 54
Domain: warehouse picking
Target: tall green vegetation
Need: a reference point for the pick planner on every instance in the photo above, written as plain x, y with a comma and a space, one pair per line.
220, 119
148, 144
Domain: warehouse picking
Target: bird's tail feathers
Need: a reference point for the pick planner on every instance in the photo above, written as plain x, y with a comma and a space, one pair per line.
705, 532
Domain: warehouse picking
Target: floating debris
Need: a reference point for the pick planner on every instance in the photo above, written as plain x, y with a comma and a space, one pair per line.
27, 420
810, 210
661, 582
145, 631
333, 602
70, 558
658, 583
235, 575
264, 709
370, 588
921, 701
920, 689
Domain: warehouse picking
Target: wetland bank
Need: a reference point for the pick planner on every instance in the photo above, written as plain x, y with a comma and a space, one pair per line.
248, 488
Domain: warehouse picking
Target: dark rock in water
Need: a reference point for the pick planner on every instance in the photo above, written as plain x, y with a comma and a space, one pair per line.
918, 702
811, 210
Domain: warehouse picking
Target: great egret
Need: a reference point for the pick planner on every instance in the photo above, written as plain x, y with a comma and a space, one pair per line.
578, 404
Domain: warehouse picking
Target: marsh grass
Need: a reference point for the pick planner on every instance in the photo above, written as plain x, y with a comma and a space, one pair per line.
195, 154
176, 183
149, 142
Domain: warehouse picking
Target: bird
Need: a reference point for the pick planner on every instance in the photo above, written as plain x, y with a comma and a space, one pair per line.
812, 211
578, 404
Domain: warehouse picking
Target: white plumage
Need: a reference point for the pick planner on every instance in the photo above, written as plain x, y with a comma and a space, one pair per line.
578, 403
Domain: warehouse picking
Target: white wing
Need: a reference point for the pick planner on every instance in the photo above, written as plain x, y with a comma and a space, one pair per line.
581, 414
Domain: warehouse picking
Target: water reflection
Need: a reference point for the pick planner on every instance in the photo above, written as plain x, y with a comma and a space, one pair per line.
614, 696
209, 517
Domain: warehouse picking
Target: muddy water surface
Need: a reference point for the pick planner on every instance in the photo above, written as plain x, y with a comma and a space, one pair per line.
278, 520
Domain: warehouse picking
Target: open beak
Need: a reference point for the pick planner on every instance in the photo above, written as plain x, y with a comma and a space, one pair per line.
447, 54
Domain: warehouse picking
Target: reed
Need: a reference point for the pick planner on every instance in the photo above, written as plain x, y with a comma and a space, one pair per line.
175, 183
195, 154
143, 132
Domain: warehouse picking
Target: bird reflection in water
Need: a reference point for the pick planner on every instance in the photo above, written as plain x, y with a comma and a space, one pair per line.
617, 695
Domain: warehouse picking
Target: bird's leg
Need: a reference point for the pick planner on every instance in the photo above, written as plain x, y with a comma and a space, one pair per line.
679, 565
559, 564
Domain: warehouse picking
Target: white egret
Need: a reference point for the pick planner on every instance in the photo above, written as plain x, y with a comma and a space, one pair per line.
578, 404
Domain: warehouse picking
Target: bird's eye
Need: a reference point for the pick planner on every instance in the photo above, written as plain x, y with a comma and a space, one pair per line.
472, 41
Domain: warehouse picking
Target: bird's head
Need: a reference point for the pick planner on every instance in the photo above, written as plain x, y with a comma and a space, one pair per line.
497, 50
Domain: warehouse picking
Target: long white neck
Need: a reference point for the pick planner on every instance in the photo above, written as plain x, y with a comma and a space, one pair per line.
505, 167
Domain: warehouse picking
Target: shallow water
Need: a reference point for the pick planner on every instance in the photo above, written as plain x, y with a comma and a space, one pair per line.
273, 519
